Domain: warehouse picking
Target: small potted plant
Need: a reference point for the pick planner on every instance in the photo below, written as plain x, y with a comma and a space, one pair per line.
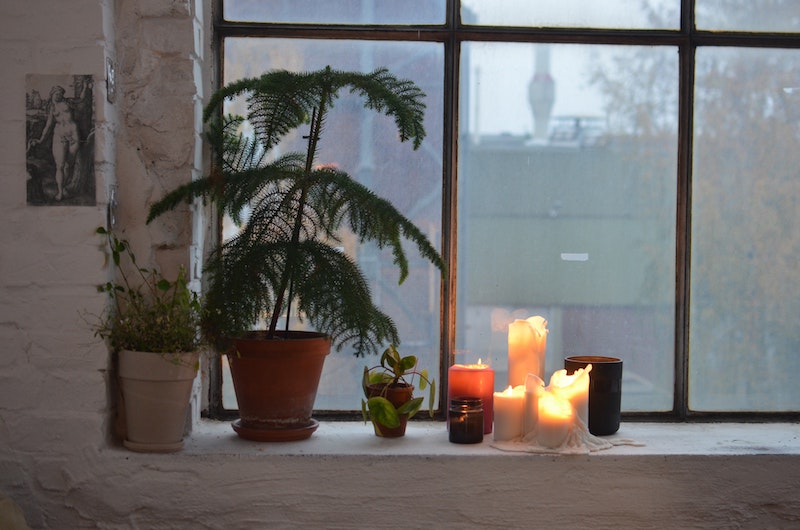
389, 392
291, 209
153, 329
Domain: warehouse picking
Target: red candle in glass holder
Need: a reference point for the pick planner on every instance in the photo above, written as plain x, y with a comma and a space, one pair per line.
473, 380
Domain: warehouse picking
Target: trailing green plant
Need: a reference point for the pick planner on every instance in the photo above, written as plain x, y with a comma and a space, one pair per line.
149, 312
286, 250
393, 371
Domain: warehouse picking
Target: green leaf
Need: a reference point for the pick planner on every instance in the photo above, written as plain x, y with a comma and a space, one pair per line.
164, 284
391, 359
431, 395
407, 363
364, 413
365, 380
423, 380
379, 378
410, 407
382, 411
391, 364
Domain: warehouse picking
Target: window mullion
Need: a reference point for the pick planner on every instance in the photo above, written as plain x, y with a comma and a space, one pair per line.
452, 54
683, 220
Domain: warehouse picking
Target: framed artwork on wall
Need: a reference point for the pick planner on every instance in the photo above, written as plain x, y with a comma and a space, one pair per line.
59, 140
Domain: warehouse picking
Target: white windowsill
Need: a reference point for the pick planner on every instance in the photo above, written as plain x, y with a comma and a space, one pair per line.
683, 476
431, 439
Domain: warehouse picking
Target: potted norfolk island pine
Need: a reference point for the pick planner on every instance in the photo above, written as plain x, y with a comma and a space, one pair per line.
389, 392
286, 249
153, 328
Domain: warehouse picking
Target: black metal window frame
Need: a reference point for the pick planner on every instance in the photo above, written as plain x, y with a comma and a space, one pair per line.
451, 34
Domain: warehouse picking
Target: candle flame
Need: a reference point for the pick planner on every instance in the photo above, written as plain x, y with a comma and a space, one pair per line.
478, 366
555, 406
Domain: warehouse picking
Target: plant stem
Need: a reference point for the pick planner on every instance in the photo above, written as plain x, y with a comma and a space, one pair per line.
291, 256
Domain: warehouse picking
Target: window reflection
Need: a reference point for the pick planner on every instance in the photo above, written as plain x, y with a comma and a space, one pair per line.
365, 145
550, 170
337, 11
622, 14
745, 244
752, 15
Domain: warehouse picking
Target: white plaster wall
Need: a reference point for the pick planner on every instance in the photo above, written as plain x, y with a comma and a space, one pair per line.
58, 460
53, 404
54, 374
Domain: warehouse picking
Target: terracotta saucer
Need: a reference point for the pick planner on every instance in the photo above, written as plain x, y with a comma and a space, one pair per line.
275, 435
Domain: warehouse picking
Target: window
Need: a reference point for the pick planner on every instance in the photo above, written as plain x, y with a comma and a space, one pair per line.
365, 145
745, 245
629, 171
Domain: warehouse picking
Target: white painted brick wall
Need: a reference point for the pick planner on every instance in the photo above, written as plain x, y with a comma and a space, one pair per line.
54, 402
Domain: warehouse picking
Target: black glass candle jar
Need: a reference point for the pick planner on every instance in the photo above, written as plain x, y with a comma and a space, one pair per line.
466, 420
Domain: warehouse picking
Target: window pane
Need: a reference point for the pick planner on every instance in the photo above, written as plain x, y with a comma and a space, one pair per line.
622, 14
567, 202
337, 11
745, 242
748, 15
365, 144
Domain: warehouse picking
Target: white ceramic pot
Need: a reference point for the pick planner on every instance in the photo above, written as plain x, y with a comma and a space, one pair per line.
155, 390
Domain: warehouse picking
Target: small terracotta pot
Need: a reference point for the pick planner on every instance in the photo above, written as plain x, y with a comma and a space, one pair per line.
276, 382
397, 395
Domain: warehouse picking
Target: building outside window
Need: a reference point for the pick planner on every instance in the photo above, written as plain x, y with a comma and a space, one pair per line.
629, 170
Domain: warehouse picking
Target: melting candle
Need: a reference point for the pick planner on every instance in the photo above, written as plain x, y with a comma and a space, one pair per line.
574, 388
527, 342
508, 410
555, 419
530, 415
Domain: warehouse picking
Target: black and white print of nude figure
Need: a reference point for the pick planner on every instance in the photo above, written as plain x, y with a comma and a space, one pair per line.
60, 140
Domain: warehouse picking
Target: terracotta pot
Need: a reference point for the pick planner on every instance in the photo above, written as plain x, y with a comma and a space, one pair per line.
276, 382
155, 391
397, 396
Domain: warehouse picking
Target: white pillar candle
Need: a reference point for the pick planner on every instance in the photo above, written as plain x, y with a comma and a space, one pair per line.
555, 419
574, 388
527, 341
508, 408
530, 415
